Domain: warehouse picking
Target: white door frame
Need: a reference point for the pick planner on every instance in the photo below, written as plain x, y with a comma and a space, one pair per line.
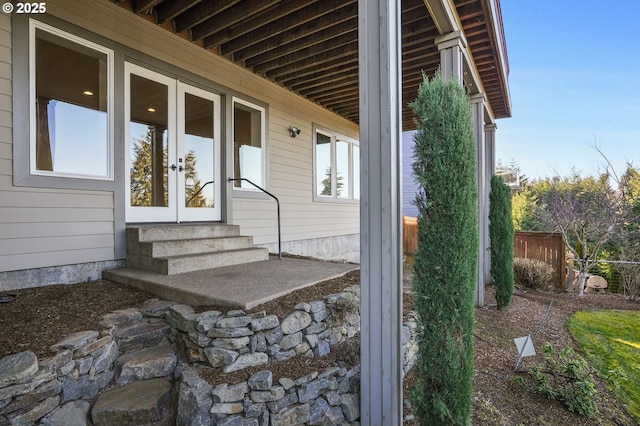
175, 211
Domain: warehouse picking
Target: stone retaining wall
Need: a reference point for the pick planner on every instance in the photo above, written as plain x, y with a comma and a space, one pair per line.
139, 369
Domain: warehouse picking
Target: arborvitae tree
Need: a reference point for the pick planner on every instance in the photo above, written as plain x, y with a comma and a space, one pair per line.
446, 259
501, 241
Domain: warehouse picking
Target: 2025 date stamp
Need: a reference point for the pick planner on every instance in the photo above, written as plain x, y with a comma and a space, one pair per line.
25, 8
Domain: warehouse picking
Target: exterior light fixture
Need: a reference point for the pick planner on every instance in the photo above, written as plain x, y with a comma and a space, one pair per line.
87, 93
151, 109
294, 131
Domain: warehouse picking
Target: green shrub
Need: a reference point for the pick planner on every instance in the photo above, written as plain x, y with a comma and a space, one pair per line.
445, 263
501, 241
532, 273
565, 376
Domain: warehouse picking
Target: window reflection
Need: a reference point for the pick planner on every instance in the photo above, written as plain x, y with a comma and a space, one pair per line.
248, 149
72, 135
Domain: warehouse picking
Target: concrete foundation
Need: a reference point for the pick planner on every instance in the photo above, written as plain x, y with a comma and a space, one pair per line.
65, 274
341, 248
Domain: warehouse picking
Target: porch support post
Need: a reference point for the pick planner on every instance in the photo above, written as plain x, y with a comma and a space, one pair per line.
380, 212
477, 115
490, 170
451, 47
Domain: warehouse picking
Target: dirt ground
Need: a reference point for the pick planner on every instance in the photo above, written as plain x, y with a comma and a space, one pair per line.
40, 317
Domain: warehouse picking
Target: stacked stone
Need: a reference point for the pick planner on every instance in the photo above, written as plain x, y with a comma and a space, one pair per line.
131, 365
330, 397
409, 342
238, 340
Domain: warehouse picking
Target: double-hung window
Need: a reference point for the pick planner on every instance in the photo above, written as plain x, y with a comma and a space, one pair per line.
336, 166
71, 105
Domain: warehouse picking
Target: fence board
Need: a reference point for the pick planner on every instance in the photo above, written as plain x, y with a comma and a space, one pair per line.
548, 247
409, 237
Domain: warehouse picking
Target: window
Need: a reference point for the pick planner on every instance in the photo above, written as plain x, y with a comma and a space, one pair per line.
337, 166
248, 144
71, 105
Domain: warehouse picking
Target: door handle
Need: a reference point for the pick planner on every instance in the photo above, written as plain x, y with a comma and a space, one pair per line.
180, 168
173, 167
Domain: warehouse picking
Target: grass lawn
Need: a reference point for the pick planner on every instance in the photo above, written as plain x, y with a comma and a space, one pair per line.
611, 340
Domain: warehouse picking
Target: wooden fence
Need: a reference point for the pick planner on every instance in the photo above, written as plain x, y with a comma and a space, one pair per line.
409, 237
547, 247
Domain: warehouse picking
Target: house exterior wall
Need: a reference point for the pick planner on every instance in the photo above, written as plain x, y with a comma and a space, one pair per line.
409, 184
61, 224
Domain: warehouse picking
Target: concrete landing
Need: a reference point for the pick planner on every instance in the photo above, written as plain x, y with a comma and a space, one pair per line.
238, 286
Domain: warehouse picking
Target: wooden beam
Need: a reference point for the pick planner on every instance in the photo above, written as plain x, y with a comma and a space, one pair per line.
314, 55
317, 28
321, 41
220, 21
200, 13
171, 9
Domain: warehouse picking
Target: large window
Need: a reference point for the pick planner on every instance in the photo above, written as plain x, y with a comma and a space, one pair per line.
337, 166
248, 144
71, 105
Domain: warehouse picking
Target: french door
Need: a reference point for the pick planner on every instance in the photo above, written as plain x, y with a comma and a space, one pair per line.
173, 149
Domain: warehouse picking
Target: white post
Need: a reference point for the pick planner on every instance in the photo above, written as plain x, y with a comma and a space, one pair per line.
451, 47
477, 115
380, 212
490, 170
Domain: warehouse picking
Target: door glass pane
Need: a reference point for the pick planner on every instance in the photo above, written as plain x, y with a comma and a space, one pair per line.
342, 169
148, 132
198, 152
323, 165
71, 107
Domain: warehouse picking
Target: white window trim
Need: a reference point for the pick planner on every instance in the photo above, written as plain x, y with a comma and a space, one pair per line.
263, 140
335, 136
36, 25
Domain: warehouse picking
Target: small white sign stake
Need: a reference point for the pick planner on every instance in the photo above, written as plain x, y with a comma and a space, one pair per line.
525, 348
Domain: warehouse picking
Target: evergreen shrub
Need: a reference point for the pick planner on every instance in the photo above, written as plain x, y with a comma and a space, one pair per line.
445, 263
501, 241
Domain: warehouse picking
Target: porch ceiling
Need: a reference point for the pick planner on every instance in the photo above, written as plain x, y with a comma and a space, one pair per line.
311, 46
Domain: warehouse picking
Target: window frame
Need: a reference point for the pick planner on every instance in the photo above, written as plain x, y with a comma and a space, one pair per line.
110, 110
263, 144
335, 137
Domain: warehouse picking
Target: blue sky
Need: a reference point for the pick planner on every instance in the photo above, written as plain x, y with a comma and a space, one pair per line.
574, 67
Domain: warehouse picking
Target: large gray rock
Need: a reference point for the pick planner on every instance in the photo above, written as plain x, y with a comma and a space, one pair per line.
265, 323
148, 363
75, 340
291, 340
182, 317
218, 357
42, 376
84, 387
57, 361
284, 402
140, 335
92, 347
194, 400
291, 416
227, 408
311, 390
317, 411
273, 394
247, 360
351, 406
105, 360
233, 343
156, 308
234, 322
17, 367
34, 414
120, 317
262, 380
295, 322
74, 413
46, 390
233, 393
229, 332
135, 404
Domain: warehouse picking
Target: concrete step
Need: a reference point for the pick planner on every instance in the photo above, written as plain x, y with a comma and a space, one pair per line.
139, 403
193, 246
164, 232
172, 265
